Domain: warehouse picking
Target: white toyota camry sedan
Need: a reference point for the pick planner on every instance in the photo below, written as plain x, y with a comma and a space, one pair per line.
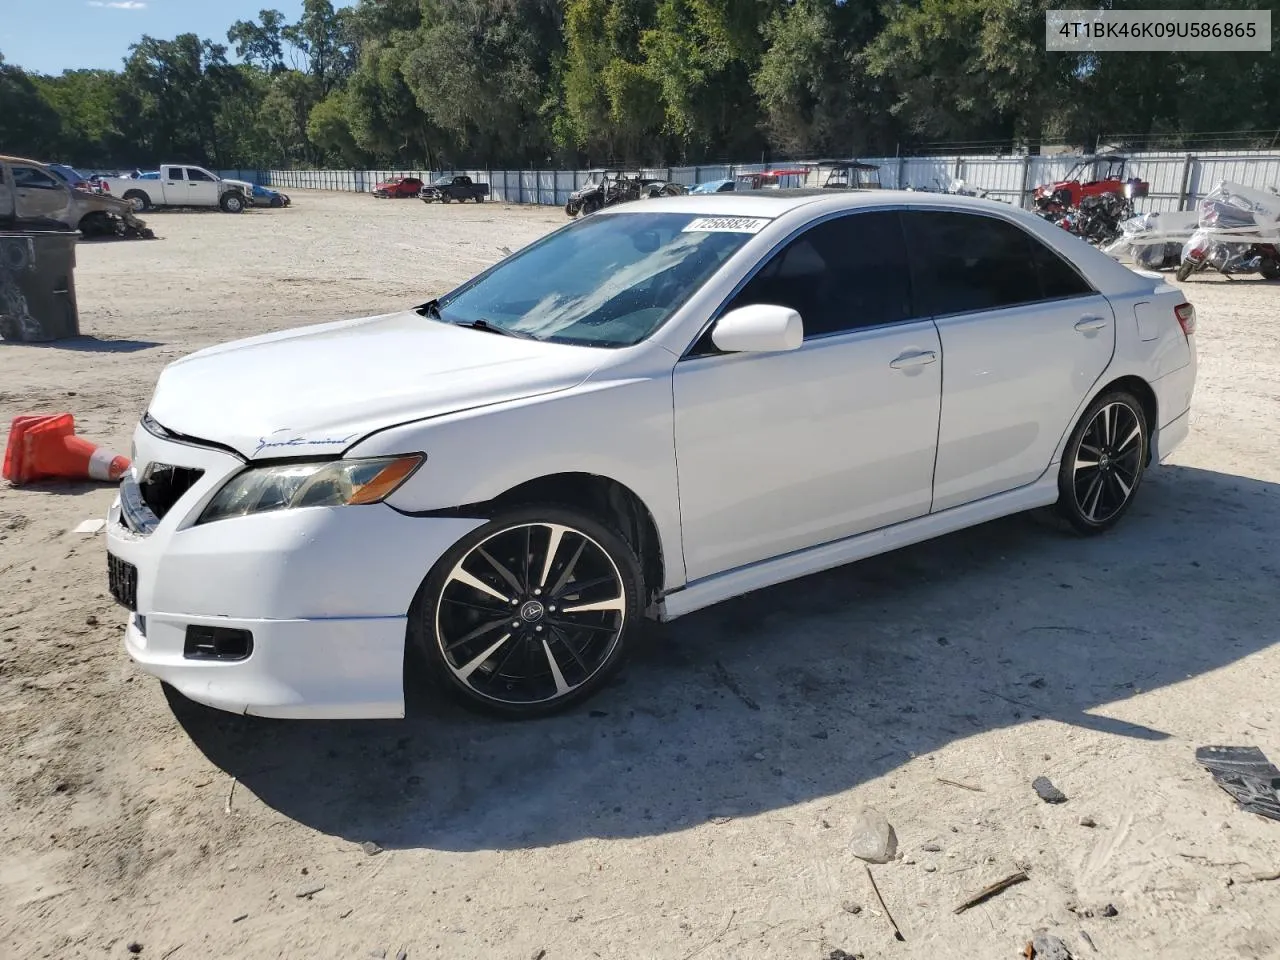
656, 408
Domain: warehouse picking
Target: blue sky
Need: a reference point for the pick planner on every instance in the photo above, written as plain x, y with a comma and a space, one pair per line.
49, 36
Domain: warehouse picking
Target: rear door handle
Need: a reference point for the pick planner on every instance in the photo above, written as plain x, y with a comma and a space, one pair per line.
916, 358
1089, 324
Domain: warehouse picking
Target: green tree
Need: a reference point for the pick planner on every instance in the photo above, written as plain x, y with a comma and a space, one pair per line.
29, 124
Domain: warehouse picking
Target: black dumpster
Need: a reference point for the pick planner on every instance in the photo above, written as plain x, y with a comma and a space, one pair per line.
37, 286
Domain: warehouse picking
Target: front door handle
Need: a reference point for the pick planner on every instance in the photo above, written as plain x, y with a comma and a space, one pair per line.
915, 358
1090, 324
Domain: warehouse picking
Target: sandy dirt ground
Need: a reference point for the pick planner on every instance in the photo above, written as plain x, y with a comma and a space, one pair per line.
701, 807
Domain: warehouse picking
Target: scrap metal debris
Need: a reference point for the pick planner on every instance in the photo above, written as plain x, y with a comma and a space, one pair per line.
1247, 775
986, 893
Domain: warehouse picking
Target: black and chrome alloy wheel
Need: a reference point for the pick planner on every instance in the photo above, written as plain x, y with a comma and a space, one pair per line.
1104, 462
529, 613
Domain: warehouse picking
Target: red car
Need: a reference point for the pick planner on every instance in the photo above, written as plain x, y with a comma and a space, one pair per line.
398, 187
1090, 177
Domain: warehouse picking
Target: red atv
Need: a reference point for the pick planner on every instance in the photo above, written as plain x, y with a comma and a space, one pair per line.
1091, 177
398, 187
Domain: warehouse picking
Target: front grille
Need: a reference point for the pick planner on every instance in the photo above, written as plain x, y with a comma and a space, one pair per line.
163, 485
122, 581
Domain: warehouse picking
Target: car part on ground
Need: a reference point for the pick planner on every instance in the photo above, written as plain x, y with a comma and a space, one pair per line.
1246, 775
733, 336
34, 198
460, 188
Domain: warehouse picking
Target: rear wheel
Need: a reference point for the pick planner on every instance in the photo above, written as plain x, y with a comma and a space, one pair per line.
1270, 269
140, 202
529, 613
1103, 463
591, 205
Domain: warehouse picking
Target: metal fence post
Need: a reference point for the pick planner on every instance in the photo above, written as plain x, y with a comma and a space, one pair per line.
902, 165
1026, 170
1186, 181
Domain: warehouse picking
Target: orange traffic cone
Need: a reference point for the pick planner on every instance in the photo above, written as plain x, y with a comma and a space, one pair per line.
47, 446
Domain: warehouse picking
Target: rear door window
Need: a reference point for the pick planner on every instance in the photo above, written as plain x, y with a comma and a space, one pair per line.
963, 262
176, 173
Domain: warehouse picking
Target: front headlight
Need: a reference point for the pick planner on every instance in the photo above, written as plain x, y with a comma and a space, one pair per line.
331, 483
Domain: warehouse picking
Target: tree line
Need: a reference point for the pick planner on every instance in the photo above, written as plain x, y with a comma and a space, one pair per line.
522, 83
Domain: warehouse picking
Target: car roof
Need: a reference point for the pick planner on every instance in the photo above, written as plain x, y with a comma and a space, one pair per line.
775, 203
8, 159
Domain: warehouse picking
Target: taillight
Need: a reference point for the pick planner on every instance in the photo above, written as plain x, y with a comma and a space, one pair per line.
1186, 315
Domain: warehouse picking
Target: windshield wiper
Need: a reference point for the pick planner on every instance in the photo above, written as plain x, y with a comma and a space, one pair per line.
487, 327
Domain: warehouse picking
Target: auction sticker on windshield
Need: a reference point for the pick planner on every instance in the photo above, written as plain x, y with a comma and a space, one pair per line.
727, 225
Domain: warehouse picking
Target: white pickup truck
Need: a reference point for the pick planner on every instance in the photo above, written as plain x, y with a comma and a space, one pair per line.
180, 185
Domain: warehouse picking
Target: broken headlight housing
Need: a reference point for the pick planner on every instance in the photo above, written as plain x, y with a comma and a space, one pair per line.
325, 483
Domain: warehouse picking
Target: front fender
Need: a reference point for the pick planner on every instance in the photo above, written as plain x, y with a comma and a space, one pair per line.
622, 429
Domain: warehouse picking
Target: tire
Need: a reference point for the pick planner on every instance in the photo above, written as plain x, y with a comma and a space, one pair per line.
479, 616
97, 224
479, 198
277, 203
570, 210
1270, 269
140, 201
232, 202
1185, 269
1104, 462
591, 206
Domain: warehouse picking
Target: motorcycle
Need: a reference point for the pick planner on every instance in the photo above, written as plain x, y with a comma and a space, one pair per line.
1212, 246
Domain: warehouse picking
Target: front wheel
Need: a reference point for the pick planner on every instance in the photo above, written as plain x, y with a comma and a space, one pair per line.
1270, 269
232, 202
530, 612
1185, 269
1103, 463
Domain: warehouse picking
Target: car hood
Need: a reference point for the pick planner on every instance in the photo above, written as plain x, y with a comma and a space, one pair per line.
317, 390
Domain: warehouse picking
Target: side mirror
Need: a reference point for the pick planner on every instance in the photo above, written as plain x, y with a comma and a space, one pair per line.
759, 328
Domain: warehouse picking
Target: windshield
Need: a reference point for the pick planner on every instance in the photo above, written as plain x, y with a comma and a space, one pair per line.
607, 281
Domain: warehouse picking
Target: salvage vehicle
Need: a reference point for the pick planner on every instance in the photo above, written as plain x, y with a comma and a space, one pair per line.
631, 417
267, 197
180, 185
33, 197
846, 174
458, 188
397, 187
604, 188
1090, 177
